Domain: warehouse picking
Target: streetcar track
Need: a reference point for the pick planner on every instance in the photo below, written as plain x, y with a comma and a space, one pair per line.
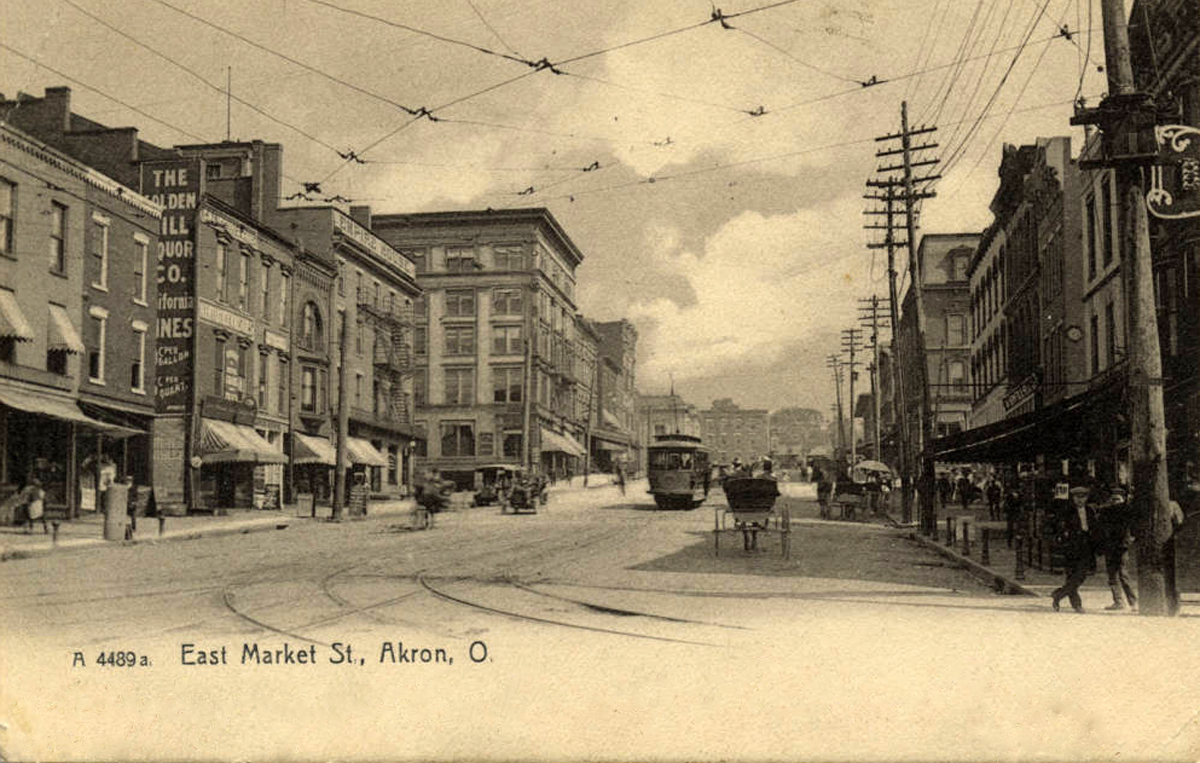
559, 623
621, 611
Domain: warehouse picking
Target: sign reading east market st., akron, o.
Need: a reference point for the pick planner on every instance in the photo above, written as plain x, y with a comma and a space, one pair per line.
174, 184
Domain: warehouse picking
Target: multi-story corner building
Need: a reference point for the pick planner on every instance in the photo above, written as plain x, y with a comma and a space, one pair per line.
1026, 286
496, 339
1166, 58
618, 390
72, 241
734, 432
944, 259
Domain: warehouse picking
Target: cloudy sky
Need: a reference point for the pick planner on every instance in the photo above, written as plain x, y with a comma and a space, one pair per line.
712, 176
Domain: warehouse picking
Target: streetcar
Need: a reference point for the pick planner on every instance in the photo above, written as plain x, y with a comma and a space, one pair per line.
679, 471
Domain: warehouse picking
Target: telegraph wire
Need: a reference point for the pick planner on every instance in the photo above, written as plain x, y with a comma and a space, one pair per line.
960, 56
97, 90
431, 35
408, 109
487, 24
948, 163
805, 64
926, 47
200, 77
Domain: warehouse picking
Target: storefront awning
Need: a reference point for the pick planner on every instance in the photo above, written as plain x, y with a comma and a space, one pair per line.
362, 452
609, 418
13, 324
63, 336
607, 444
309, 449
62, 409
553, 441
1018, 438
225, 442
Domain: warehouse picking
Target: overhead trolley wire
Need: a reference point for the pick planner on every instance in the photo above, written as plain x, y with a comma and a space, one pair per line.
200, 77
315, 70
98, 91
492, 29
803, 63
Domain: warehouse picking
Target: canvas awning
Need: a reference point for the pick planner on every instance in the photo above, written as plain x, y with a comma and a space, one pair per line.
607, 444
564, 443
225, 442
62, 409
63, 336
310, 449
13, 324
362, 452
609, 418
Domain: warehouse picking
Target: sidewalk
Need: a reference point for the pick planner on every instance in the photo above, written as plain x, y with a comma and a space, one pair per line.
88, 531
1000, 569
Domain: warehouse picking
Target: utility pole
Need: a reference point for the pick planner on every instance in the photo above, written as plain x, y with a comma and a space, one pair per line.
834, 362
910, 197
343, 422
869, 315
1121, 116
851, 343
899, 407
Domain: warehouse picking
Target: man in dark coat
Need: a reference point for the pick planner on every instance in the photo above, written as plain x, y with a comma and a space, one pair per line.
1076, 522
1116, 521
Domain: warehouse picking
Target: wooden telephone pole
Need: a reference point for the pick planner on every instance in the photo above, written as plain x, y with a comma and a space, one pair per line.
834, 363
869, 316
851, 344
907, 182
1121, 116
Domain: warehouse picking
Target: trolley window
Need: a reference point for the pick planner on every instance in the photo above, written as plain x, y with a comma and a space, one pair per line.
658, 459
673, 461
685, 460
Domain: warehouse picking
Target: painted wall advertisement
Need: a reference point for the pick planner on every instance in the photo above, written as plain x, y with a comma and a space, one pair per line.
175, 184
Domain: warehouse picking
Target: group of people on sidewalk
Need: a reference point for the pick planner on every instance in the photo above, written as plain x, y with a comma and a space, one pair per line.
1100, 522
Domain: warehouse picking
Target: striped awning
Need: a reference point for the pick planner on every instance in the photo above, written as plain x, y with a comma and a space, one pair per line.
363, 452
226, 442
564, 443
63, 336
13, 324
310, 449
29, 401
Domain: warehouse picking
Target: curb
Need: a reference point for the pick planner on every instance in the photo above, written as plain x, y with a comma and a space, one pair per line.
97, 543
1000, 583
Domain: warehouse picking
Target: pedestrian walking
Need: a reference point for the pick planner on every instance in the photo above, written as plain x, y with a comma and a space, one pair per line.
1012, 514
1076, 521
619, 476
964, 491
1116, 524
944, 488
35, 506
994, 494
1172, 589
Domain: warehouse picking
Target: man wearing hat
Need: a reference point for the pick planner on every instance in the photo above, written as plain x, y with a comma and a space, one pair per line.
1076, 523
1117, 536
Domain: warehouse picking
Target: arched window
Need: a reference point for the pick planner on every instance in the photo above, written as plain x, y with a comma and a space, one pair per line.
312, 333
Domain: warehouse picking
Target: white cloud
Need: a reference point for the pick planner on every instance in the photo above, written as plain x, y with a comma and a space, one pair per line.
763, 284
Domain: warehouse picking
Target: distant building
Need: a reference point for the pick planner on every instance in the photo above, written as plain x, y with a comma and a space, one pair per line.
945, 259
618, 391
796, 431
733, 432
496, 339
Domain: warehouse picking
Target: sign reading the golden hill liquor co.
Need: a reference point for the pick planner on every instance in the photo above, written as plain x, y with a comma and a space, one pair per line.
1175, 178
175, 184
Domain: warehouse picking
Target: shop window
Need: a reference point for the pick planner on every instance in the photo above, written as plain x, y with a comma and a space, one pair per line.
458, 439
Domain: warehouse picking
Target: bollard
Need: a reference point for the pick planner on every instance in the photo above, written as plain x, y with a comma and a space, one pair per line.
787, 534
1020, 572
162, 523
54, 537
966, 537
985, 557
716, 532
949, 531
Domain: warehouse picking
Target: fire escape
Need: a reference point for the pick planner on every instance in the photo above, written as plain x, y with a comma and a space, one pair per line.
393, 361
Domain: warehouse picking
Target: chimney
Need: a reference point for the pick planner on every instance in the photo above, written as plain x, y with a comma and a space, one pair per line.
270, 172
361, 215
